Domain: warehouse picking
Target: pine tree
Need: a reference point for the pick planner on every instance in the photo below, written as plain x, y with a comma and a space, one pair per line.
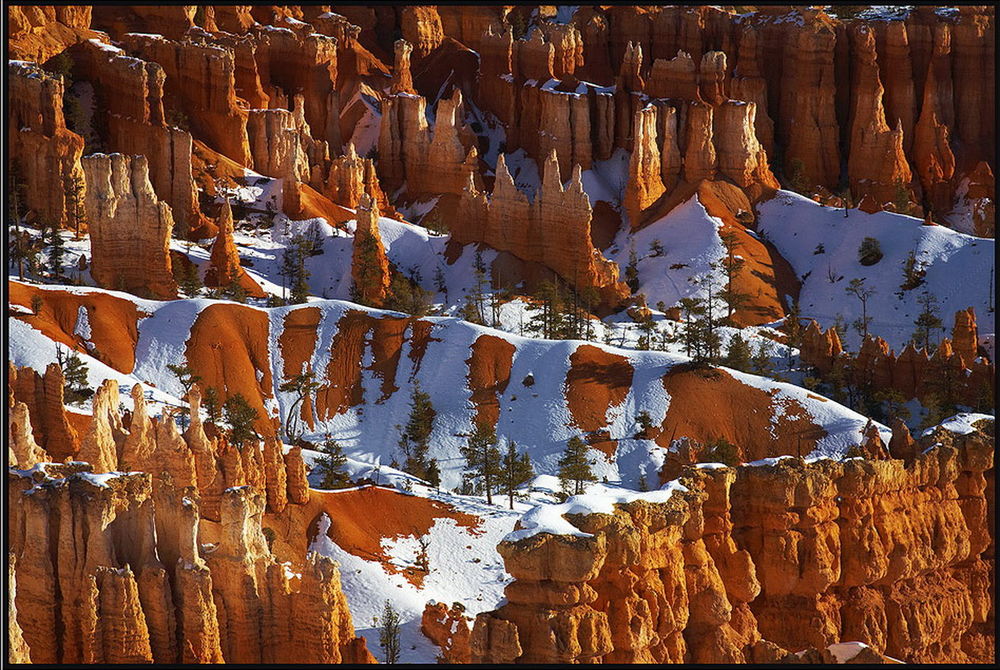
738, 353
632, 271
574, 468
514, 470
74, 187
870, 251
241, 417
760, 362
57, 250
188, 279
302, 385
388, 633
213, 408
863, 293
927, 321
415, 439
913, 274
75, 377
691, 336
731, 265
293, 269
483, 458
330, 465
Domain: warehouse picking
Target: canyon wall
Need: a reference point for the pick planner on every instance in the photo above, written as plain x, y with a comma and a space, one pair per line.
45, 154
743, 564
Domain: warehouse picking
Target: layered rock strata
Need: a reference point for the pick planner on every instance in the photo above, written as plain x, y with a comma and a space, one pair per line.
740, 565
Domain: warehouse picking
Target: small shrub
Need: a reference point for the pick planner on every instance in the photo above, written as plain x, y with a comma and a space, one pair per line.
870, 251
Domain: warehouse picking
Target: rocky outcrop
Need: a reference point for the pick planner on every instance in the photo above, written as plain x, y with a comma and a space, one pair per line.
88, 558
739, 565
130, 99
955, 368
302, 63
449, 629
369, 264
39, 32
43, 396
933, 159
224, 266
421, 27
281, 147
44, 153
200, 83
130, 228
553, 229
349, 177
23, 452
409, 153
876, 164
645, 184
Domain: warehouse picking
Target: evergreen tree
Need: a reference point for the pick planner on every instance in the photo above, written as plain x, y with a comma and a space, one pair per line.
388, 633
515, 470
241, 417
760, 363
483, 458
415, 439
863, 293
731, 265
632, 271
187, 379
74, 187
213, 409
870, 251
302, 385
927, 322
574, 468
721, 451
738, 353
75, 377
369, 273
407, 296
57, 250
913, 274
330, 465
691, 310
656, 248
293, 269
188, 279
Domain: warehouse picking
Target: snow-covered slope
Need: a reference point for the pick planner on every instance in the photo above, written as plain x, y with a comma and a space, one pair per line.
526, 380
822, 246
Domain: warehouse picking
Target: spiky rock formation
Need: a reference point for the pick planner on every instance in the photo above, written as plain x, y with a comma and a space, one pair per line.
88, 558
369, 264
224, 269
877, 164
132, 112
553, 229
130, 227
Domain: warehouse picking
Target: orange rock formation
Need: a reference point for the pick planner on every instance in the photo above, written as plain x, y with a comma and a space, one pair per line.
130, 228
747, 563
